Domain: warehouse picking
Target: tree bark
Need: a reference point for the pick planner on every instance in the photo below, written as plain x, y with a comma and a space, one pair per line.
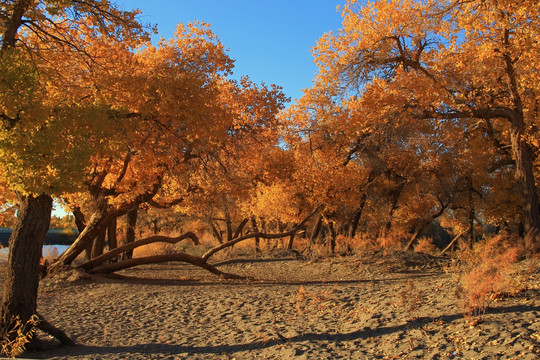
12, 25
97, 222
522, 154
80, 222
255, 228
25, 244
130, 230
316, 230
291, 241
240, 228
217, 233
333, 236
357, 216
395, 194
99, 243
111, 232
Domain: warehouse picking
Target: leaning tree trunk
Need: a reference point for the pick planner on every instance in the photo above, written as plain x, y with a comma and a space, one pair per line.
25, 244
80, 222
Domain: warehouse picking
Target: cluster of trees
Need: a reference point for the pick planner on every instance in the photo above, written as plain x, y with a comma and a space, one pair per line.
421, 110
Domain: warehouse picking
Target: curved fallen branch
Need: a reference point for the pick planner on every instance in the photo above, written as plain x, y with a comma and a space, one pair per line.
52, 330
130, 246
261, 235
194, 260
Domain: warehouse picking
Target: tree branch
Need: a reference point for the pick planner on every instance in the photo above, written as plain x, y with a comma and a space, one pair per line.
261, 235
171, 240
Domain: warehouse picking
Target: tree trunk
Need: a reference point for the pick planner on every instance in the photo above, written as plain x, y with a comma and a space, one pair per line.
113, 241
290, 243
25, 244
395, 194
316, 230
333, 236
255, 228
130, 231
97, 222
524, 169
240, 228
99, 243
357, 216
111, 232
13, 23
522, 156
80, 222
217, 233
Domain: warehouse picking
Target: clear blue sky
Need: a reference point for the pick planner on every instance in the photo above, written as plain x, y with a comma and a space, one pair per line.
269, 39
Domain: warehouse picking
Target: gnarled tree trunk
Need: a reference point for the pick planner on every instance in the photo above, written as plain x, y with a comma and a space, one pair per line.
25, 244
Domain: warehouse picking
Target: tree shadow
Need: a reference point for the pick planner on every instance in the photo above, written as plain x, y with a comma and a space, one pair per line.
153, 349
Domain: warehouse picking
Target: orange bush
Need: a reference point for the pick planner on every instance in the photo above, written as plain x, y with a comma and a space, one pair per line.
485, 273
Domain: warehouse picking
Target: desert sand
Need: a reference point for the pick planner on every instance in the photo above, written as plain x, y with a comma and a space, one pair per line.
399, 306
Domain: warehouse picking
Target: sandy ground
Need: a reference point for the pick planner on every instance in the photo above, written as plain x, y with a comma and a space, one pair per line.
402, 306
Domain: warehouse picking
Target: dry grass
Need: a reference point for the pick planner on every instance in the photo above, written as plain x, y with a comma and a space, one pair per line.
486, 273
16, 336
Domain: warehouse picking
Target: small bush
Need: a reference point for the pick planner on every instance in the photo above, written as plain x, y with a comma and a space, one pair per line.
16, 335
485, 273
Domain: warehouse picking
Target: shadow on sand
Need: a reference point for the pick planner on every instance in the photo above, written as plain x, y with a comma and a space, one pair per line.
156, 349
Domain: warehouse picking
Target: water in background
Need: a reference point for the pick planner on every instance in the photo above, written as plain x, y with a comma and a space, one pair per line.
48, 250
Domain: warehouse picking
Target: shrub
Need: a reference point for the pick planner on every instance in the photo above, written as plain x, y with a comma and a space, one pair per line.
485, 273
16, 335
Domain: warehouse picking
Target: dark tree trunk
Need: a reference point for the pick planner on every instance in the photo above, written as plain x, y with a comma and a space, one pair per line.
217, 233
240, 228
99, 243
522, 155
25, 244
524, 169
111, 232
316, 230
357, 216
113, 241
291, 241
97, 222
333, 236
394, 198
130, 230
255, 228
80, 222
13, 23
